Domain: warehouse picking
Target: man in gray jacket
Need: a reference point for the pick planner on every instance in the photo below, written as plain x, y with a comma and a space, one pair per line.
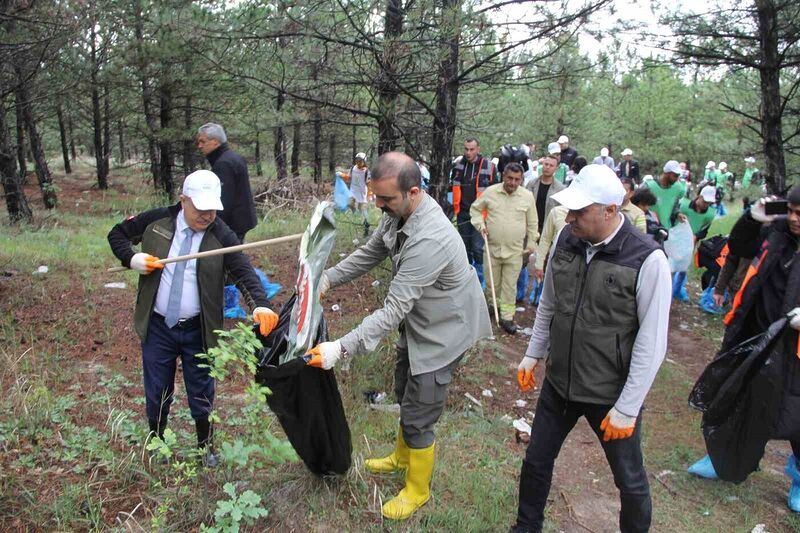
602, 326
434, 299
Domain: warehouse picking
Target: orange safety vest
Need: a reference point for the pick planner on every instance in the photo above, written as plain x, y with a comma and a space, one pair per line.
487, 172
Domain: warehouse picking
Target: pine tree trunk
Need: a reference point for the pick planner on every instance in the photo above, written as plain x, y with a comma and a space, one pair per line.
331, 153
317, 148
123, 157
385, 82
62, 131
259, 168
147, 97
49, 196
189, 161
354, 147
97, 121
444, 122
771, 107
165, 145
296, 150
71, 138
16, 203
106, 131
20, 127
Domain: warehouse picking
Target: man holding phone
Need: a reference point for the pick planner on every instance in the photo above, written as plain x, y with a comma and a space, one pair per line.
771, 290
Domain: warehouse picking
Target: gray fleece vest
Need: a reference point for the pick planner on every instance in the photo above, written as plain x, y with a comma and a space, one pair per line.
595, 320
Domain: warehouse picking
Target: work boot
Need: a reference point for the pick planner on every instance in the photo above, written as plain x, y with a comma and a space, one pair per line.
508, 326
704, 468
418, 485
794, 490
394, 462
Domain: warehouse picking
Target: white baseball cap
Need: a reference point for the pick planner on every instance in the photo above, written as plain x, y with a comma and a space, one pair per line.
205, 190
553, 148
361, 155
750, 159
673, 166
595, 184
627, 151
710, 164
604, 152
723, 165
563, 140
709, 194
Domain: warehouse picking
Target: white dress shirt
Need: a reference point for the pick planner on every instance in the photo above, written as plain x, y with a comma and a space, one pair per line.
190, 298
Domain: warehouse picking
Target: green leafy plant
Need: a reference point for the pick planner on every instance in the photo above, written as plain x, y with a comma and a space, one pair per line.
232, 512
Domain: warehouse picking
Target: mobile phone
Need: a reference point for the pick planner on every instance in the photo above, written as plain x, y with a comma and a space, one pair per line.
777, 207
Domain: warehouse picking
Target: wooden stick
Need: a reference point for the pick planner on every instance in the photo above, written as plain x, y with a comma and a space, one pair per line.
491, 279
221, 251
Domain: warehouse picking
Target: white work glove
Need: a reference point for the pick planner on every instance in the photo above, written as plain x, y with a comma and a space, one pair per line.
794, 318
145, 263
325, 355
617, 425
758, 212
324, 285
525, 377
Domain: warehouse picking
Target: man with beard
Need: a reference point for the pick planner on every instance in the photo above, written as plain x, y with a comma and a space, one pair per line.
436, 302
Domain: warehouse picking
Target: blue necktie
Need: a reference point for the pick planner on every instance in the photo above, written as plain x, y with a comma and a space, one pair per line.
176, 289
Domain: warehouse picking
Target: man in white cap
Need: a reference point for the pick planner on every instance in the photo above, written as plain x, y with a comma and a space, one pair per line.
668, 191
568, 154
359, 178
601, 325
723, 181
179, 306
711, 173
604, 159
699, 213
750, 172
560, 172
628, 167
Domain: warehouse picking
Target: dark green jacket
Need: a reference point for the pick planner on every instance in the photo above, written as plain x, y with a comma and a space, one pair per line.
154, 229
595, 318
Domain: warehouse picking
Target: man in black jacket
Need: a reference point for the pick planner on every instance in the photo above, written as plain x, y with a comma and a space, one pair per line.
629, 167
179, 306
231, 169
771, 290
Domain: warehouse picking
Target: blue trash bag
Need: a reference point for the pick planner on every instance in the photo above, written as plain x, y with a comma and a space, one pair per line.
232, 307
679, 286
707, 304
536, 292
341, 194
522, 284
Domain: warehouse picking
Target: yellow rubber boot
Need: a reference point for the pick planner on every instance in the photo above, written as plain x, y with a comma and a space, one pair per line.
418, 485
394, 462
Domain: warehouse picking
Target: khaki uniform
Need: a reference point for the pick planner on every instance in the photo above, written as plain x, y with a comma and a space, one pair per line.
635, 215
556, 220
510, 220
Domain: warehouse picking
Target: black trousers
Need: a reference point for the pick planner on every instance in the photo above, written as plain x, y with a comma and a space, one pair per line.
555, 418
473, 240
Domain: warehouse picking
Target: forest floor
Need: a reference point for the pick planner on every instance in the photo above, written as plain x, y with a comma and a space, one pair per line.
72, 426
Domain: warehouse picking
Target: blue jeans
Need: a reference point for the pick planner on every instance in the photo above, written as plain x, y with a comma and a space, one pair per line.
473, 240
160, 352
555, 418
522, 283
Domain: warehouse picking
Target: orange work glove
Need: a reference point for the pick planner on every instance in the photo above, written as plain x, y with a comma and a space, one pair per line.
145, 263
617, 426
325, 354
266, 319
525, 377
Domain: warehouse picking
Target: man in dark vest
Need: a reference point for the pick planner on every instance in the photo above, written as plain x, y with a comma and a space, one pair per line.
179, 306
601, 325
471, 174
231, 169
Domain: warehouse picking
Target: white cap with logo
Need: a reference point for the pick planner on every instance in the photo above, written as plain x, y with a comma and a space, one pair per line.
563, 140
709, 194
595, 184
553, 148
673, 166
205, 190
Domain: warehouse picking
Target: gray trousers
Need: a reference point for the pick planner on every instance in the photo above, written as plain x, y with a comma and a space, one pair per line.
421, 399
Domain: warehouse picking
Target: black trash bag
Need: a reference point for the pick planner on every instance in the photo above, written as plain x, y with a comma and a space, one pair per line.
740, 393
306, 401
